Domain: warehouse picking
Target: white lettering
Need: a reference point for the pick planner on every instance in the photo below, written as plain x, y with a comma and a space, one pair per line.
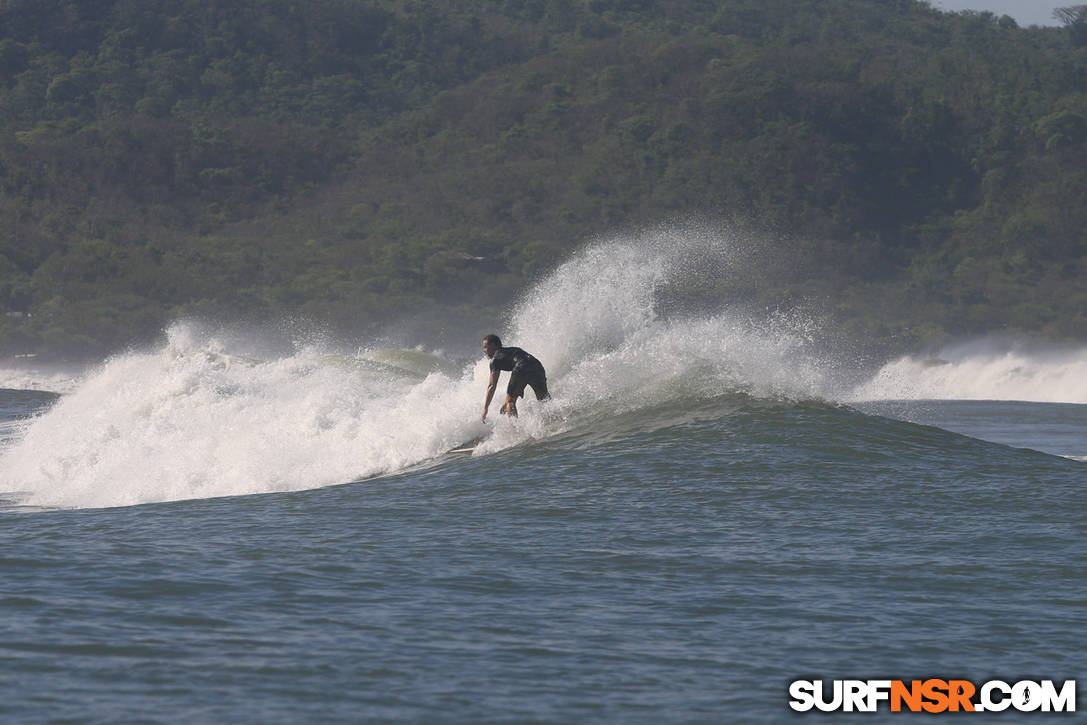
856, 695
987, 701
1063, 701
802, 692
834, 703
1026, 696
878, 690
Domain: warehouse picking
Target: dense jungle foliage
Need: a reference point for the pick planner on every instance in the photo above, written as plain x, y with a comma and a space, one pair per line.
915, 173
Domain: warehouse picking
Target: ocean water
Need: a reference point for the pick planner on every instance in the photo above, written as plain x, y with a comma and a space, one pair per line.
712, 506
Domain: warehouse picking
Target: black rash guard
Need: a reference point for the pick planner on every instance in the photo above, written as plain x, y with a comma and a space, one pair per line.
513, 358
524, 370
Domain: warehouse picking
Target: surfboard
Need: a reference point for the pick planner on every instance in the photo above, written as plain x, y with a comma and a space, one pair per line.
468, 446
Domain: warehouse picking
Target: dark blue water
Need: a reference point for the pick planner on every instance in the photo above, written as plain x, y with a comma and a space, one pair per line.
680, 563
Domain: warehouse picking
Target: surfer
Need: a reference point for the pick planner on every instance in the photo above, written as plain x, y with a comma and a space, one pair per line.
523, 368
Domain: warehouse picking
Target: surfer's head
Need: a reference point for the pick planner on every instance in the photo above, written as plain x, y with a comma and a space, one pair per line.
491, 343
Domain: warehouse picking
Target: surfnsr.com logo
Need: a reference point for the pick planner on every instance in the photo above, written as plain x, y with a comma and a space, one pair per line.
932, 695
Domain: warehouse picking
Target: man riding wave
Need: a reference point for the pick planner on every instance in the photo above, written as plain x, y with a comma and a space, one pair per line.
524, 370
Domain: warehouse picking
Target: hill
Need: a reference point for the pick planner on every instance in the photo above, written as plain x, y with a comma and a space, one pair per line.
918, 174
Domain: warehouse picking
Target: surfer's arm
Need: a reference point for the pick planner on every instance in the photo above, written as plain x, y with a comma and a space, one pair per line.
491, 387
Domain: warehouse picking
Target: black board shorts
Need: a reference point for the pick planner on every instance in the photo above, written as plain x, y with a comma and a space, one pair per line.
532, 376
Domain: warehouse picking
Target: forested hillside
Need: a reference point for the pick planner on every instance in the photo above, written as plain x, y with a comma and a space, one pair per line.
350, 161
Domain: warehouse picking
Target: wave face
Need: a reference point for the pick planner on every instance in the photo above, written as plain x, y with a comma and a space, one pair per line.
983, 371
202, 417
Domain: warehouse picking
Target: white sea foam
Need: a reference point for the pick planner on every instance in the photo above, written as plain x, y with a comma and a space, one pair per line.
595, 321
29, 376
202, 417
191, 421
983, 371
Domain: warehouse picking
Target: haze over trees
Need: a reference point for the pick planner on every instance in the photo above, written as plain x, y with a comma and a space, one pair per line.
346, 161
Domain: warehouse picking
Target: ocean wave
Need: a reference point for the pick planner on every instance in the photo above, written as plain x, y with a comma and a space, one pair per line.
207, 413
201, 416
983, 370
